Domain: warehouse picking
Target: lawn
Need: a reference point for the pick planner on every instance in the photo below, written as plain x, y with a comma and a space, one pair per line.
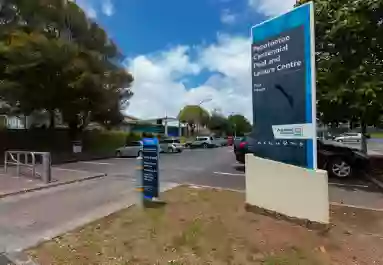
205, 226
378, 135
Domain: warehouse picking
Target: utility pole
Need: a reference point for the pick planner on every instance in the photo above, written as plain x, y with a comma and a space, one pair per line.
200, 110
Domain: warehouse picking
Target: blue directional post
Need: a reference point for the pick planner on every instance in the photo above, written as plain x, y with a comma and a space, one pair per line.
150, 159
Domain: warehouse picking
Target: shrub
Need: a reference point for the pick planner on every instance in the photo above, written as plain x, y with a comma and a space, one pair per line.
107, 141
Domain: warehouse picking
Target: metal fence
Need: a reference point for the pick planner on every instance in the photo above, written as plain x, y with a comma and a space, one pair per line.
29, 160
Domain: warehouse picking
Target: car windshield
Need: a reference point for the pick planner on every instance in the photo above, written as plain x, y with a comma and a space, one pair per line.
201, 138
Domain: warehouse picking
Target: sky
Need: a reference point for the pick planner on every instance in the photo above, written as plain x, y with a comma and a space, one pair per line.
183, 52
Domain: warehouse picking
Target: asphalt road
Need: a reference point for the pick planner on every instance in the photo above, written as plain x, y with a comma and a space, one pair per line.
29, 218
218, 168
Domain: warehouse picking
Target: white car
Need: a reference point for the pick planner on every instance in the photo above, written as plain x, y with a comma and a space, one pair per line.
171, 145
132, 149
349, 138
204, 142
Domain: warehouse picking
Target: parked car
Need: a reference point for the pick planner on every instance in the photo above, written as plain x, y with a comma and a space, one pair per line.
220, 141
338, 160
349, 138
132, 149
170, 145
204, 142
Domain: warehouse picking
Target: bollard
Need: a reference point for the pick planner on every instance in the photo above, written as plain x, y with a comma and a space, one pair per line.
46, 167
18, 164
5, 162
139, 182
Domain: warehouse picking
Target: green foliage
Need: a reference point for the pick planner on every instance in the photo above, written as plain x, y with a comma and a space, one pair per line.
53, 58
193, 114
240, 124
220, 124
349, 56
107, 141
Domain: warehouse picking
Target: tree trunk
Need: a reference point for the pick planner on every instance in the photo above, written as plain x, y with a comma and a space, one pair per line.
364, 140
52, 121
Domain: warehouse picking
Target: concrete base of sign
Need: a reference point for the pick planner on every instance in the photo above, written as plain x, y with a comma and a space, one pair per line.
275, 188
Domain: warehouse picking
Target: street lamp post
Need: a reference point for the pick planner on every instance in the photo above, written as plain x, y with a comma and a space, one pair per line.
199, 104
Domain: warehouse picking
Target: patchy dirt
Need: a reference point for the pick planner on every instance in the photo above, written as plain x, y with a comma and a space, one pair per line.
205, 226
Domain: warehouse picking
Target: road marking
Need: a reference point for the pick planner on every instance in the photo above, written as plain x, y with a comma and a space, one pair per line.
72, 170
212, 187
348, 185
230, 174
95, 163
356, 207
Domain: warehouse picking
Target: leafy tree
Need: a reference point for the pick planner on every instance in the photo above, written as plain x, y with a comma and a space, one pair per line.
194, 115
220, 124
349, 56
240, 124
52, 58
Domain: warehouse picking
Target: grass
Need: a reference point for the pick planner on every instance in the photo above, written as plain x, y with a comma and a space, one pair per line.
204, 226
378, 135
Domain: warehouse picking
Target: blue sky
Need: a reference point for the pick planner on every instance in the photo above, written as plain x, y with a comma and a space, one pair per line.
184, 51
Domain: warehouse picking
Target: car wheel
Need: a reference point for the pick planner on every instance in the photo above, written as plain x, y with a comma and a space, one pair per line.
118, 154
205, 145
340, 168
339, 141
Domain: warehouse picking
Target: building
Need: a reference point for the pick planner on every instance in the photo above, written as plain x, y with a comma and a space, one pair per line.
164, 125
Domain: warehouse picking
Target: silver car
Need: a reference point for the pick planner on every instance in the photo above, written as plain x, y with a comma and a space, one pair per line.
132, 149
349, 138
170, 145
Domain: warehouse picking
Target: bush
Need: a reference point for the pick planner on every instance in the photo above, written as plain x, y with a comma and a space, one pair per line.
107, 141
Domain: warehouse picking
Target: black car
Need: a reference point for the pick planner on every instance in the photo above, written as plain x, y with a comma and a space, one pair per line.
340, 161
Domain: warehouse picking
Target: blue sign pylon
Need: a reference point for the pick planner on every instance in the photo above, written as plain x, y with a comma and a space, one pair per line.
283, 88
150, 159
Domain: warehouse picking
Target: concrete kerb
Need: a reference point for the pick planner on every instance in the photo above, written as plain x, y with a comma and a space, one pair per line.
51, 185
19, 257
376, 181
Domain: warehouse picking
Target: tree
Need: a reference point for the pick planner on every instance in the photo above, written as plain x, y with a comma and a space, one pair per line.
240, 124
220, 124
66, 63
349, 56
194, 115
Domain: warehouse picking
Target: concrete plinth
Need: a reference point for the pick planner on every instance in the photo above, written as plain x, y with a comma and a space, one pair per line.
289, 190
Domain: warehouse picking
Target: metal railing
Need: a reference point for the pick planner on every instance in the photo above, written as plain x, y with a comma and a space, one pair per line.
27, 159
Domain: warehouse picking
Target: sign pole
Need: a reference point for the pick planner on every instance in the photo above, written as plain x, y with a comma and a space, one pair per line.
139, 182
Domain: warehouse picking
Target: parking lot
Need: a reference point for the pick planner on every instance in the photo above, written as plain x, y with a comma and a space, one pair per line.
217, 168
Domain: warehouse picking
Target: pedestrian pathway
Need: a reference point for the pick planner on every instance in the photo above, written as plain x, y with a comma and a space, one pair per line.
11, 184
28, 219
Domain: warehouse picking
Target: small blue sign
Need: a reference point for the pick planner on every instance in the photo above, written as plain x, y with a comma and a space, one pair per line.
150, 153
283, 88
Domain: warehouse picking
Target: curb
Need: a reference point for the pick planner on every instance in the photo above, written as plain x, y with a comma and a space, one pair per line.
12, 193
75, 160
17, 258
376, 182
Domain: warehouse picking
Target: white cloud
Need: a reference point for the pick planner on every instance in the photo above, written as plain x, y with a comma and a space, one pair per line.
271, 8
108, 7
88, 7
93, 7
159, 88
227, 17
